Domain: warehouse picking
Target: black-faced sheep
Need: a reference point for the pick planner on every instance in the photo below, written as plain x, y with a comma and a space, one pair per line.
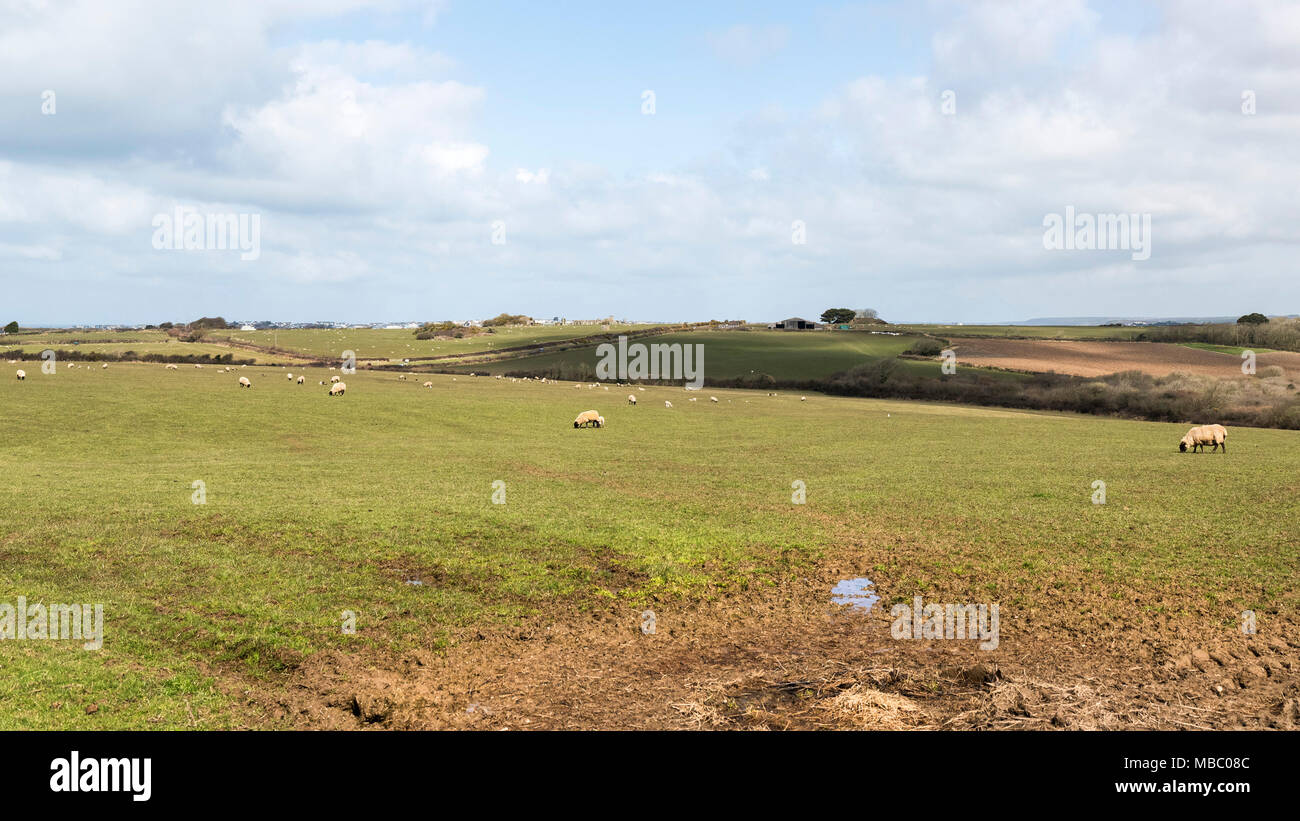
587, 418
22, 375
244, 383
338, 388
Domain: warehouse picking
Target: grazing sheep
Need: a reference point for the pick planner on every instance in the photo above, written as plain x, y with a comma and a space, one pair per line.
692, 399
587, 418
402, 377
713, 399
300, 379
631, 399
667, 404
22, 375
803, 399
104, 366
428, 385
641, 389
200, 367
290, 376
600, 421
1199, 437
333, 378
244, 383
171, 367
338, 388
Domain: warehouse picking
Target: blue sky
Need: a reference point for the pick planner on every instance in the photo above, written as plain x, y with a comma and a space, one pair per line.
379, 143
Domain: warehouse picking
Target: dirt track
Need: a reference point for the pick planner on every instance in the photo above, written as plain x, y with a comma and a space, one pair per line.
1101, 358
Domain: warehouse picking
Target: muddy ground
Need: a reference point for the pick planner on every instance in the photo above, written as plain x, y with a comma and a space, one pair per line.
789, 659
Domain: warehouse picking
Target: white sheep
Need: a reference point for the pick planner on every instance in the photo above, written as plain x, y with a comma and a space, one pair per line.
104, 366
1199, 437
290, 377
713, 399
301, 379
692, 399
427, 385
587, 418
199, 367
333, 378
22, 375
244, 383
338, 388
803, 399
631, 399
667, 404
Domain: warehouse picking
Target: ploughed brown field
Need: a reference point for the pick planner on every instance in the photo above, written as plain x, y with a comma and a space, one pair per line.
1101, 358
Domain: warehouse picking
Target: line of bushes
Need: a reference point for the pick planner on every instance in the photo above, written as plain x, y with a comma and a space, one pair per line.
1278, 334
1131, 395
64, 355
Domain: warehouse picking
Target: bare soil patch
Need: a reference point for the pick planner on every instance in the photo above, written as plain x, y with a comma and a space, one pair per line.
788, 659
1101, 358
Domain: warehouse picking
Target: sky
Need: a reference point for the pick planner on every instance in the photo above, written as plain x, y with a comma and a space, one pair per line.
651, 161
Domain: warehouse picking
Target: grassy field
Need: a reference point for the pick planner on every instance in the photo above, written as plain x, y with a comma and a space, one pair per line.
1082, 332
1229, 349
132, 350
317, 505
730, 354
374, 343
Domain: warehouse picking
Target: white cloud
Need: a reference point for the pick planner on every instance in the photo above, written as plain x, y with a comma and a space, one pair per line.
378, 186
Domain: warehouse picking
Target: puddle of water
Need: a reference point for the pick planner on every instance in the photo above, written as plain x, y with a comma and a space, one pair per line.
858, 593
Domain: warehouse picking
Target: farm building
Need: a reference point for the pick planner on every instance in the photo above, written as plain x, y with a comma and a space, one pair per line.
794, 323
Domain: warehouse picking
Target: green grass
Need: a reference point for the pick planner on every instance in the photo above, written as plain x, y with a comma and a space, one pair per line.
1228, 349
1081, 332
784, 355
316, 505
168, 348
375, 343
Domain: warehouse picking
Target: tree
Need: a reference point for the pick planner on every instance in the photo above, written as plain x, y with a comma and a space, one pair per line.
11, 328
1252, 319
838, 316
208, 322
501, 320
